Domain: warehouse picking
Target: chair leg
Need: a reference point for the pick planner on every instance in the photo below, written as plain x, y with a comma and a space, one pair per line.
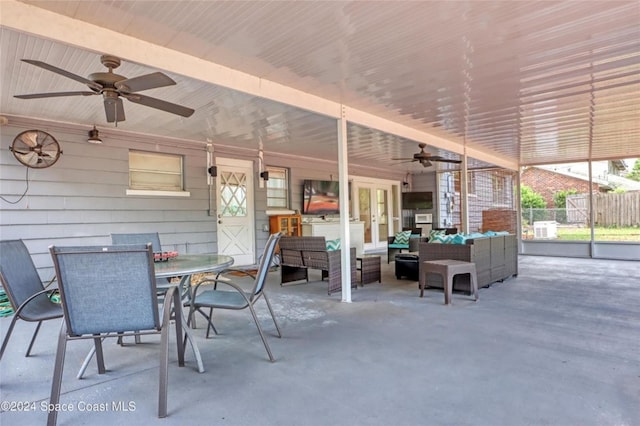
264, 340
33, 339
163, 380
209, 322
56, 382
164, 371
6, 338
266, 299
97, 342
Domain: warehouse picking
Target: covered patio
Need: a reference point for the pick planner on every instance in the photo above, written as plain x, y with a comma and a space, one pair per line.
558, 344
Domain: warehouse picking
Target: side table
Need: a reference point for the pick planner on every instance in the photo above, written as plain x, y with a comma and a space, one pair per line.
448, 268
369, 267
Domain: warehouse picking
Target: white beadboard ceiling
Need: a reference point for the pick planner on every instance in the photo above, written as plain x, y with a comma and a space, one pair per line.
510, 83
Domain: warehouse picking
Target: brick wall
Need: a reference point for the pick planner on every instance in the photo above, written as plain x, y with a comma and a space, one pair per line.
547, 183
499, 220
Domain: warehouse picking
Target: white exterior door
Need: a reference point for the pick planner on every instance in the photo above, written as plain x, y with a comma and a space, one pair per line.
235, 210
374, 209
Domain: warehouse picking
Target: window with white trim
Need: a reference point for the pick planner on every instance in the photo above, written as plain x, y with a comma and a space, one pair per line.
152, 171
277, 188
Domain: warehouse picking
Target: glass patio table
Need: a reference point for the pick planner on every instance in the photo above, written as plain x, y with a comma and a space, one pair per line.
183, 266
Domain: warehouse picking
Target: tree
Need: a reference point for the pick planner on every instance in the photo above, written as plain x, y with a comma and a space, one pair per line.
560, 202
531, 199
634, 174
560, 197
534, 203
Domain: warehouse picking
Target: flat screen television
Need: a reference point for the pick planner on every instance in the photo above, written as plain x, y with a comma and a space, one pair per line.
321, 197
417, 200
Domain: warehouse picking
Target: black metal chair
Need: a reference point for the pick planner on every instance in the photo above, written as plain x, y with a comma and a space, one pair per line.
236, 298
110, 291
28, 297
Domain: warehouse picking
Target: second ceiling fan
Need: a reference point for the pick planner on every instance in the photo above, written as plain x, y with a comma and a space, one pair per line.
113, 87
425, 158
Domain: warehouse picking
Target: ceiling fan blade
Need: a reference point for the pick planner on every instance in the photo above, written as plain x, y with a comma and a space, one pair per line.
411, 159
30, 138
444, 160
54, 95
160, 104
114, 110
91, 84
144, 82
426, 163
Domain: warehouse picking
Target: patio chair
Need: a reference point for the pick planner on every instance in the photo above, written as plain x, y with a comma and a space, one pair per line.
110, 291
163, 284
143, 238
236, 298
29, 299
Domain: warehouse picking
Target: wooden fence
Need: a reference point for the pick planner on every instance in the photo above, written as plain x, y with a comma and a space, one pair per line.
611, 209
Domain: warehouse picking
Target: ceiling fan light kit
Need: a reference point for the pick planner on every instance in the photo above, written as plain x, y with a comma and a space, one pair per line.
113, 87
94, 136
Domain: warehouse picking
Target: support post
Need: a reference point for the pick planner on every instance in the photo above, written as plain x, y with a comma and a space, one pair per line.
343, 178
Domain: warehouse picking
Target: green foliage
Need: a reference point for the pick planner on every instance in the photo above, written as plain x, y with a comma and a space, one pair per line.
619, 191
533, 205
634, 174
560, 197
531, 199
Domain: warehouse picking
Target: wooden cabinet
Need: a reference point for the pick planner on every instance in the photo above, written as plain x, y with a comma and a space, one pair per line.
288, 224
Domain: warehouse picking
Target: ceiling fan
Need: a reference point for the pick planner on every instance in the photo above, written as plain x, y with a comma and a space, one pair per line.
426, 158
113, 87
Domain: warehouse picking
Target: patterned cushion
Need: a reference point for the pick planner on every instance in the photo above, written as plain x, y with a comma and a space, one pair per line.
333, 245
402, 237
433, 233
442, 239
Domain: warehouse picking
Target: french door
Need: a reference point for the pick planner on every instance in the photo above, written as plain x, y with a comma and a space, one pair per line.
374, 209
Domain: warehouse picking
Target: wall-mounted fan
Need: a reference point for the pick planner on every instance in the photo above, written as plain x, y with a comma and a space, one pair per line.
426, 158
36, 149
113, 86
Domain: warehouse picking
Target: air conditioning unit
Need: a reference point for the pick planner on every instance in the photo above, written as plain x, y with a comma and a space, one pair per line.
545, 229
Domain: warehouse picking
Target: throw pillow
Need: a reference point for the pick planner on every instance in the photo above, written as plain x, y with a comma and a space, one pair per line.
441, 239
402, 237
433, 233
333, 245
458, 239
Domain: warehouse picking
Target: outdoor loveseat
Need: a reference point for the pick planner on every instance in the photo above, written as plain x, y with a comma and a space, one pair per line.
299, 254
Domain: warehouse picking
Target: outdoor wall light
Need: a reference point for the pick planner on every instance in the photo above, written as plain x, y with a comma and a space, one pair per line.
94, 136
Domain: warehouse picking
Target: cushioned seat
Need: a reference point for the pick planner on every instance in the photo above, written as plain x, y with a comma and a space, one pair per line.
404, 240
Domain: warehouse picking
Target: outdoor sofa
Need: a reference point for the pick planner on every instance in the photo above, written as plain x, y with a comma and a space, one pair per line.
496, 259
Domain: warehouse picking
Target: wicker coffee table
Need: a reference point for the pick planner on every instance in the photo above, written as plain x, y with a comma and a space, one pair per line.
369, 267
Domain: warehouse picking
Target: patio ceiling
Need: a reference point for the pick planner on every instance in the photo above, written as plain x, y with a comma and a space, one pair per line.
510, 83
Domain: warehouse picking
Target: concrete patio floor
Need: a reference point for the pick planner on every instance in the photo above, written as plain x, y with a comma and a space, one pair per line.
558, 345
